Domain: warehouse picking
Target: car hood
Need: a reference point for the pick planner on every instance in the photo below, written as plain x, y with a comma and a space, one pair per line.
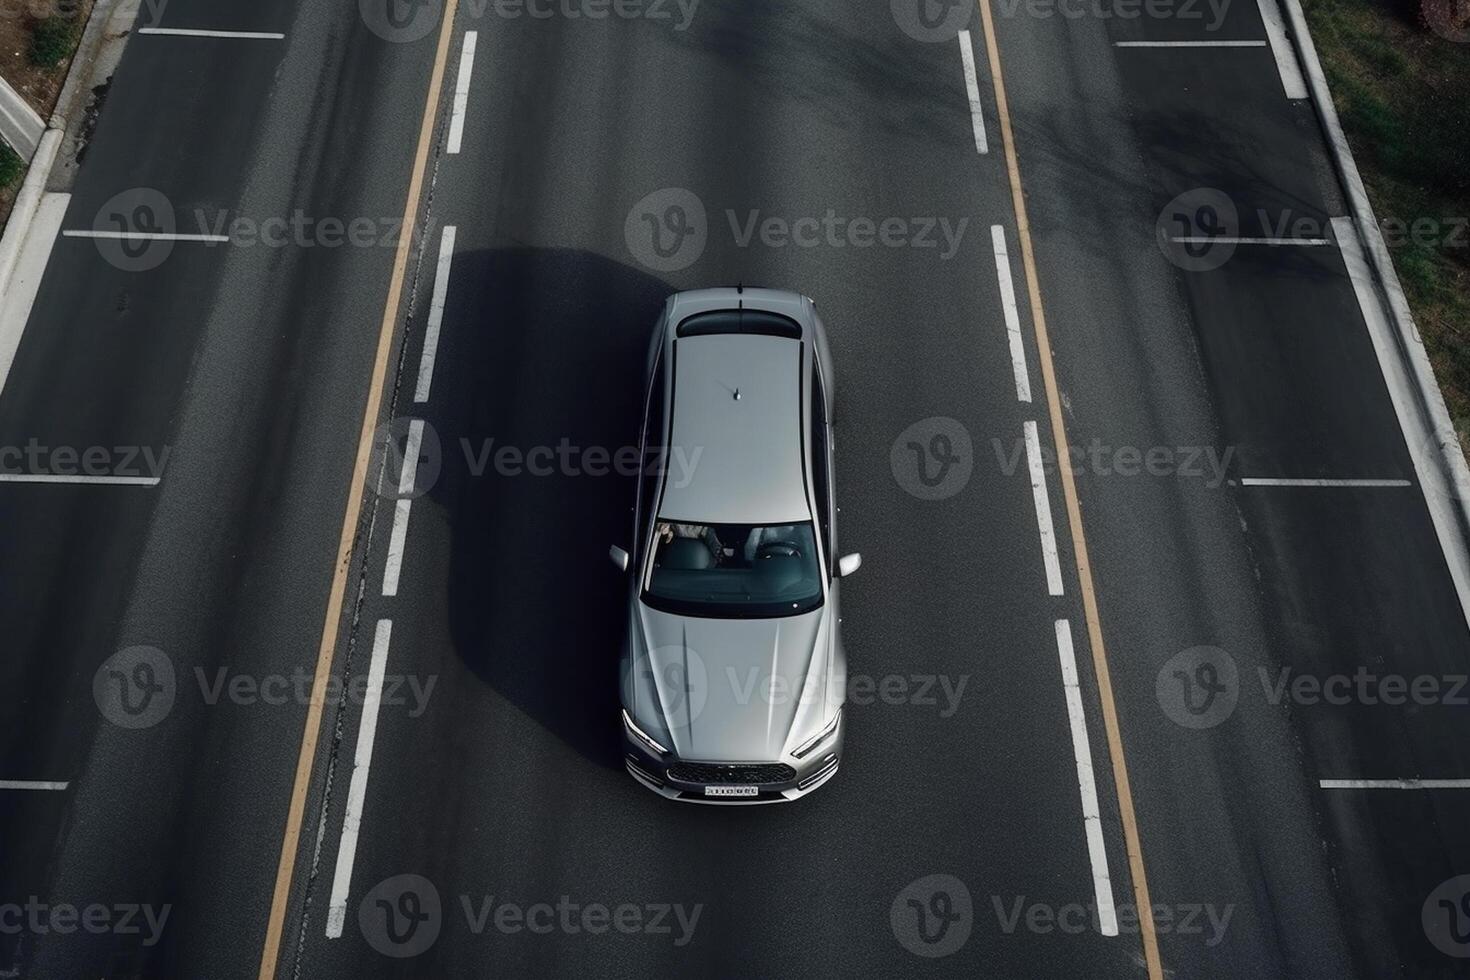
732, 690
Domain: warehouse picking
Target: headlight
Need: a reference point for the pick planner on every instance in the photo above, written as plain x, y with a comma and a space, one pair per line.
821, 736
641, 735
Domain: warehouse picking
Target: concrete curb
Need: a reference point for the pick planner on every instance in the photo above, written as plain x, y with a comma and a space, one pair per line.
109, 20
25, 204
20, 126
1448, 478
98, 53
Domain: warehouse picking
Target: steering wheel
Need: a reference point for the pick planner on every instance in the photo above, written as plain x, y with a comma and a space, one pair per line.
778, 549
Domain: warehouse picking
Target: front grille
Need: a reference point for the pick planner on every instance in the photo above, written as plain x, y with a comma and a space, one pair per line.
742, 772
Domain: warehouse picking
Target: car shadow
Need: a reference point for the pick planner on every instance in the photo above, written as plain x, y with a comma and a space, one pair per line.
535, 389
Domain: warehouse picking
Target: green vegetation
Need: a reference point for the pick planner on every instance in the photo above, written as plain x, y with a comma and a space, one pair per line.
12, 168
52, 41
1401, 90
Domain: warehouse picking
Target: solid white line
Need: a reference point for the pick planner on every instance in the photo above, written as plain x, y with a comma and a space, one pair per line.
396, 544
1189, 44
1263, 482
31, 784
462, 89
185, 32
145, 236
362, 761
1395, 783
972, 88
1043, 511
1292, 79
1207, 240
1097, 853
1012, 313
436, 315
104, 481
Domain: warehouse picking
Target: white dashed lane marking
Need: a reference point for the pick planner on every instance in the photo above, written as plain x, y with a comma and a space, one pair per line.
1012, 313
462, 90
398, 539
1097, 853
972, 89
436, 315
362, 761
1043, 510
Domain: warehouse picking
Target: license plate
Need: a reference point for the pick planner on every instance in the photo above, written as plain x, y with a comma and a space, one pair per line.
730, 791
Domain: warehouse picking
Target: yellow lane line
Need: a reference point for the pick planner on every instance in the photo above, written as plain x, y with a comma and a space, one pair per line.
331, 626
1074, 519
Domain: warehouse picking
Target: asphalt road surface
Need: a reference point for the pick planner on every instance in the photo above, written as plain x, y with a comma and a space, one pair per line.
1283, 646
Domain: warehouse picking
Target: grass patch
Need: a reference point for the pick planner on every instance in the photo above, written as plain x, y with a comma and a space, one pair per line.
52, 41
12, 168
1403, 93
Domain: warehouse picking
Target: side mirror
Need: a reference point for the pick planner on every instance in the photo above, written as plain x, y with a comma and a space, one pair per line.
848, 564
619, 557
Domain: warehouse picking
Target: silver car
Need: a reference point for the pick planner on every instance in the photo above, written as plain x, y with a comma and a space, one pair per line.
733, 672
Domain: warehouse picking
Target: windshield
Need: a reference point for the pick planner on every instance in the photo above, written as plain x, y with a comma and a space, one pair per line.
729, 570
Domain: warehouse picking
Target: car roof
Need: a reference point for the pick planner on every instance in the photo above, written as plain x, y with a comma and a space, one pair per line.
742, 458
